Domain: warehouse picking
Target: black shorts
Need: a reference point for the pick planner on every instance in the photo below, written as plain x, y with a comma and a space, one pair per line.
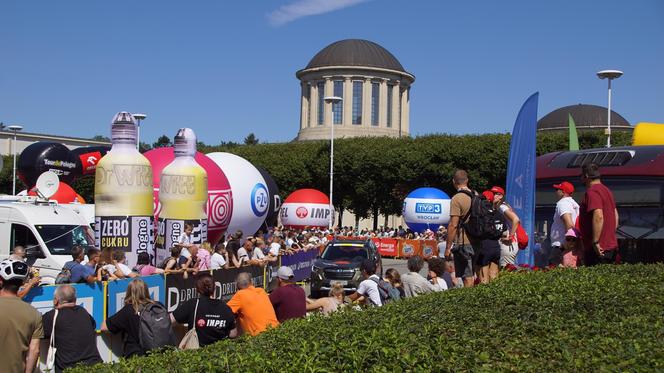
489, 253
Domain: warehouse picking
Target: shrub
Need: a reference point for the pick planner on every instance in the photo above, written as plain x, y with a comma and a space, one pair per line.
602, 318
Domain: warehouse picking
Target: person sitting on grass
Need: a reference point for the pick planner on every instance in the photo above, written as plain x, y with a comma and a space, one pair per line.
413, 283
252, 307
328, 304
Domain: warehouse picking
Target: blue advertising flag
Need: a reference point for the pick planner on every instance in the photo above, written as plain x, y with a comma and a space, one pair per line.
521, 173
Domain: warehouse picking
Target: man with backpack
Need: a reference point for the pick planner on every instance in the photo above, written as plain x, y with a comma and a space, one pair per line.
459, 242
75, 272
369, 288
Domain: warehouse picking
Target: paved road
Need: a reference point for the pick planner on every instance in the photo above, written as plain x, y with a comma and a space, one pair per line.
400, 265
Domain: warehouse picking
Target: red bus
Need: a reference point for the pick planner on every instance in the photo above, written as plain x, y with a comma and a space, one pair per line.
635, 175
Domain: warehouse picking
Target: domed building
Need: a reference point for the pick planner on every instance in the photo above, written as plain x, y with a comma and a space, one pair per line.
586, 117
375, 89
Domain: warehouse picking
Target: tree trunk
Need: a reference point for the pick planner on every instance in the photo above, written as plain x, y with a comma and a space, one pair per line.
341, 214
375, 218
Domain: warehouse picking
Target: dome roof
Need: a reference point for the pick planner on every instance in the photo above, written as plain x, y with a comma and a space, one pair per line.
585, 117
355, 52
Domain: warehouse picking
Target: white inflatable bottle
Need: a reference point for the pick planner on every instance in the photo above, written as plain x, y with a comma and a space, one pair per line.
123, 195
183, 193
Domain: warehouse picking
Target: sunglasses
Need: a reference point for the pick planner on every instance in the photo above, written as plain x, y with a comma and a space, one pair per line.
570, 239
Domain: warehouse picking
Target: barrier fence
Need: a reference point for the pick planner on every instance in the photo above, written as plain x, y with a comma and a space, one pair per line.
401, 248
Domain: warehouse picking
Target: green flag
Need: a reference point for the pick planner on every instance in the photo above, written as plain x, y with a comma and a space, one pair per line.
573, 138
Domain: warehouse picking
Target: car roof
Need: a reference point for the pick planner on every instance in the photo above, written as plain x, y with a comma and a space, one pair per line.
349, 241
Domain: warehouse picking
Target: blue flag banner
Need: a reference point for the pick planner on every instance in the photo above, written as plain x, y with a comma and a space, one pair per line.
520, 192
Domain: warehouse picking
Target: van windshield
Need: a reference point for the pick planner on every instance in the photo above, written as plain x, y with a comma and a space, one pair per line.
61, 238
341, 251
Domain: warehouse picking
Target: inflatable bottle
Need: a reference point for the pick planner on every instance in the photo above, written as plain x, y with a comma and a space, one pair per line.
183, 193
123, 195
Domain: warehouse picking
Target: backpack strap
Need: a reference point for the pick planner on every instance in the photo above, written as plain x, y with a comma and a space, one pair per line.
464, 219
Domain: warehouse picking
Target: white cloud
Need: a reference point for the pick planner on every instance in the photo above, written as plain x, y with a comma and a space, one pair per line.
304, 8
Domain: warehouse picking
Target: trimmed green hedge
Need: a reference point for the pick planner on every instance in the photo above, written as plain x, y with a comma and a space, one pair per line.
607, 318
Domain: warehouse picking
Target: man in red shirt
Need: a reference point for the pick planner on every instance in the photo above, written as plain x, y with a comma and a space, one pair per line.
598, 219
288, 300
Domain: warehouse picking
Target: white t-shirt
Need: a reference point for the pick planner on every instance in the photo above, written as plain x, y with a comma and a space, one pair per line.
184, 239
369, 289
242, 255
440, 284
566, 205
125, 269
217, 261
274, 248
258, 253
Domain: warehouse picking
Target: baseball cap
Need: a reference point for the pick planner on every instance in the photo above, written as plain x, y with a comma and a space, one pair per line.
285, 273
488, 195
565, 186
497, 189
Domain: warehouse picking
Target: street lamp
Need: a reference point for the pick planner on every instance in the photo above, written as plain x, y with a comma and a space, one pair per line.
332, 100
610, 75
14, 128
139, 117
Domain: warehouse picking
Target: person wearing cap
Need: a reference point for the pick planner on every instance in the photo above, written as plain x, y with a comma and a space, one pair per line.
598, 219
572, 255
508, 245
288, 300
252, 307
21, 324
564, 218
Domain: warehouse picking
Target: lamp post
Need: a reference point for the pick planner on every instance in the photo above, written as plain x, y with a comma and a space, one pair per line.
14, 128
610, 75
332, 100
139, 117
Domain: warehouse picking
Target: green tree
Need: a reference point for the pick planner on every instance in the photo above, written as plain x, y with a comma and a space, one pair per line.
162, 141
100, 138
251, 139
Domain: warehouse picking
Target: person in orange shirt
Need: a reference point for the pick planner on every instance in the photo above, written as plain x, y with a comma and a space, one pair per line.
252, 306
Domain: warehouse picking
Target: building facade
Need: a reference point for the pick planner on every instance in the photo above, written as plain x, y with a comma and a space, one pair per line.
24, 139
373, 86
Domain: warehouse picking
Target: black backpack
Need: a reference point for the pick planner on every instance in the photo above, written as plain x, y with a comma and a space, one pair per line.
155, 330
483, 221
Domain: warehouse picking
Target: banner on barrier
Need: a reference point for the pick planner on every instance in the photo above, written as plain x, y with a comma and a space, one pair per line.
180, 290
300, 263
117, 289
387, 246
88, 296
408, 248
429, 249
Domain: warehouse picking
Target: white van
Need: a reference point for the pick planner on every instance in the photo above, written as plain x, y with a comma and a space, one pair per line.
47, 230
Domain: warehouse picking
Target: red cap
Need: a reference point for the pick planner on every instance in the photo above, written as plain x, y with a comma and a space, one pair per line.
565, 186
488, 195
497, 189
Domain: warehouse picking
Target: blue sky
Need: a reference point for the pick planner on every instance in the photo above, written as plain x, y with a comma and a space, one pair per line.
67, 66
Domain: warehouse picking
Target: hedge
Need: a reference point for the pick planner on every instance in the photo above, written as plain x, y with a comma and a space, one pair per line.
606, 318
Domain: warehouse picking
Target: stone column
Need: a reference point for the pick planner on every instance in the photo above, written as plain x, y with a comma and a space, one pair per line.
382, 104
403, 121
329, 90
304, 105
405, 128
366, 102
348, 101
313, 115
395, 105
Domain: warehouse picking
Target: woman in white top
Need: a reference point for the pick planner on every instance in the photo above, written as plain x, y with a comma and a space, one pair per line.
219, 259
508, 245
